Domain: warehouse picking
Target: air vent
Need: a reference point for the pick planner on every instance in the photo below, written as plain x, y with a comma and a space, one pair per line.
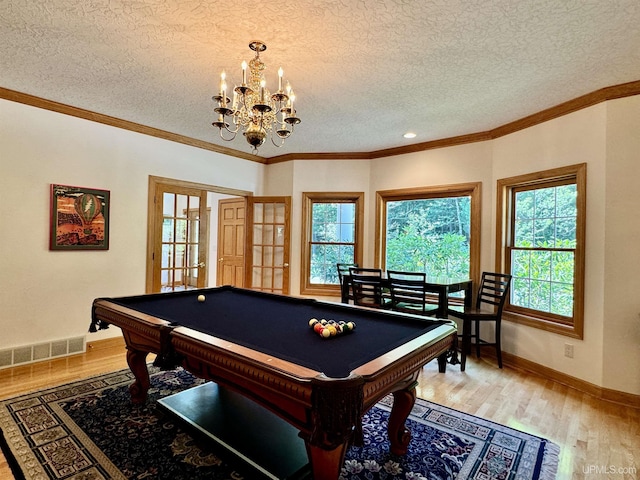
41, 351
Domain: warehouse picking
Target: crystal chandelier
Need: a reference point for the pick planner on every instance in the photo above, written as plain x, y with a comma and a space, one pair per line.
254, 109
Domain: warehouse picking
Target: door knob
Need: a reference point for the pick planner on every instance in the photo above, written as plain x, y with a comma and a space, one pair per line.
199, 265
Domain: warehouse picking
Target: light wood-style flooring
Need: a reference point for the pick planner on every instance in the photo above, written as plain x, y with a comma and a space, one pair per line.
598, 439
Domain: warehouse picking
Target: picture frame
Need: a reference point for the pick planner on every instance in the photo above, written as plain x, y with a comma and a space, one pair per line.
79, 218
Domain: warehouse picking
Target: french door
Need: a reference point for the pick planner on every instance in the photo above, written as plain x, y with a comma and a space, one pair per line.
181, 229
252, 251
269, 244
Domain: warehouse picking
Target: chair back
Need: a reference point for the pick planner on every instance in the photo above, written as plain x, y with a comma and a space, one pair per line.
493, 290
408, 291
343, 269
366, 286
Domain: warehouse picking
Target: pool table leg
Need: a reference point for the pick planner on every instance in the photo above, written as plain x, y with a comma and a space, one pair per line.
137, 361
399, 435
326, 464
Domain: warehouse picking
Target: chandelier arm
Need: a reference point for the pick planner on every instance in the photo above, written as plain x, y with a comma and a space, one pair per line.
275, 144
228, 139
234, 131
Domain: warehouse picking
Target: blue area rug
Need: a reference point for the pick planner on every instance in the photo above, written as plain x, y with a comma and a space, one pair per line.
90, 430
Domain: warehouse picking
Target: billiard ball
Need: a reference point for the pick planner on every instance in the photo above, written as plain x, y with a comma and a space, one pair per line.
312, 322
326, 333
201, 298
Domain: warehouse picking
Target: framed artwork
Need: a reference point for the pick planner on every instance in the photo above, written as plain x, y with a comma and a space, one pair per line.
79, 218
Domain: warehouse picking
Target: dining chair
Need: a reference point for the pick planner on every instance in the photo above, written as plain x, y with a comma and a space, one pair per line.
345, 290
409, 293
366, 287
490, 300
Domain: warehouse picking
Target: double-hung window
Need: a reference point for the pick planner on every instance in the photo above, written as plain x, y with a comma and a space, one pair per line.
541, 220
332, 234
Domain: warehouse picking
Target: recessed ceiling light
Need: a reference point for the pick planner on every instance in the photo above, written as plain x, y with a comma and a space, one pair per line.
409, 135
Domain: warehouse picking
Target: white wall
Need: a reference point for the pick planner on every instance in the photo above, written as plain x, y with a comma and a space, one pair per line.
621, 316
606, 137
46, 295
571, 139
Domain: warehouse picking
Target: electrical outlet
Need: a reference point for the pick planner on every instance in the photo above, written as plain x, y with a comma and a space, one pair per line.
568, 350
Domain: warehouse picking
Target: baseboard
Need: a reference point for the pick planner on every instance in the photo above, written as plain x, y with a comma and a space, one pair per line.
106, 343
616, 396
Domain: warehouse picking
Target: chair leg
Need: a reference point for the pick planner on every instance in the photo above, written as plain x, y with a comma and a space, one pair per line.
477, 322
498, 346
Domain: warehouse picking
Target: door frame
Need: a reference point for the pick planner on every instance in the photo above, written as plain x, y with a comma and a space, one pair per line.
154, 181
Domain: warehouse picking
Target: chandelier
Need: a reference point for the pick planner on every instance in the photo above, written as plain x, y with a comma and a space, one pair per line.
254, 110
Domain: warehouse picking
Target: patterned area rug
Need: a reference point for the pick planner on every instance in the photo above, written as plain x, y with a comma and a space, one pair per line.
90, 430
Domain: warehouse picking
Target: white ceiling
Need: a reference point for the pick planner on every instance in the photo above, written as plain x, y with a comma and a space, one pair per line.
364, 71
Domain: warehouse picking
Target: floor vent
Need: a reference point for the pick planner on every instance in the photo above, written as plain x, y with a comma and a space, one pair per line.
41, 351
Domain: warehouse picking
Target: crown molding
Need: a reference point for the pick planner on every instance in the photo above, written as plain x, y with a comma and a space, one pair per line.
579, 103
57, 107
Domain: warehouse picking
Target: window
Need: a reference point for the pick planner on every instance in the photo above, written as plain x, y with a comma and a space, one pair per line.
541, 223
433, 230
332, 232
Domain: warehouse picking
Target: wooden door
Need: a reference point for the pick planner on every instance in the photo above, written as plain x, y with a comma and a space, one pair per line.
231, 241
269, 243
180, 229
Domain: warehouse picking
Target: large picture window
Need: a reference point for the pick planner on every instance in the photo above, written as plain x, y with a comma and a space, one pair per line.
434, 230
332, 224
541, 222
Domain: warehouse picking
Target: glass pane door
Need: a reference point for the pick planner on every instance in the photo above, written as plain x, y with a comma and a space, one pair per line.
182, 261
270, 244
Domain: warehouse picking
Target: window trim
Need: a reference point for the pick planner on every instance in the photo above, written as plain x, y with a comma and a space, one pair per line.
472, 189
308, 199
504, 223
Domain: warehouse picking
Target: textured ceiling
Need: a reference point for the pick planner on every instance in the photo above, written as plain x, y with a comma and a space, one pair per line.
364, 72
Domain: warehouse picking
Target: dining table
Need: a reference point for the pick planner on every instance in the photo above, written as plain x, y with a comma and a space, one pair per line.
442, 286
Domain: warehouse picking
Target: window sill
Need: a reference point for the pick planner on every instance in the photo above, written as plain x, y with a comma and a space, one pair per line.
542, 324
322, 291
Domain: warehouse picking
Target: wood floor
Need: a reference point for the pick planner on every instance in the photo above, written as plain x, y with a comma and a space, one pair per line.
598, 439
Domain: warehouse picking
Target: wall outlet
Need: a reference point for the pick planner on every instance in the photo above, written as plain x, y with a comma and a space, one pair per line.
568, 350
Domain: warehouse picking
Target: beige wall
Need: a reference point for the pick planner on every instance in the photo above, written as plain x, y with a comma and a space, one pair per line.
621, 310
47, 295
606, 137
575, 138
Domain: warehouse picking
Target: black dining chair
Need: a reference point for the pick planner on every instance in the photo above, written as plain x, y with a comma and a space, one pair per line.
366, 287
490, 300
345, 289
409, 294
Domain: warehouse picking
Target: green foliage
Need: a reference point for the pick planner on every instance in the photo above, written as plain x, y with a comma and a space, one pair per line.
430, 235
542, 260
333, 234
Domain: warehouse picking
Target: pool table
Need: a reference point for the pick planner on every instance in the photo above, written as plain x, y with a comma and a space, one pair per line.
260, 345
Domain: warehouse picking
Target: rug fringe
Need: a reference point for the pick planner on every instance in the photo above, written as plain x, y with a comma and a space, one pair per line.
550, 462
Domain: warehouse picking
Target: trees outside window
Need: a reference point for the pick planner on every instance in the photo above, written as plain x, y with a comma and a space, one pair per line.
332, 224
430, 229
541, 223
429, 235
